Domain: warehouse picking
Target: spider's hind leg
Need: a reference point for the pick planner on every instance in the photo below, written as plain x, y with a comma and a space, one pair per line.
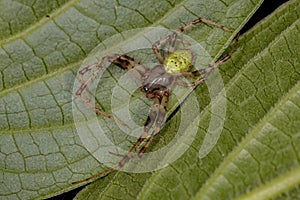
159, 122
156, 116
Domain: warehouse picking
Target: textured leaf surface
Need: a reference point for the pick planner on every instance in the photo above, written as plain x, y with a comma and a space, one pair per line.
257, 156
41, 152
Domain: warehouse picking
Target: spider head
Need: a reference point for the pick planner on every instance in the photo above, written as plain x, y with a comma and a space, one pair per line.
178, 61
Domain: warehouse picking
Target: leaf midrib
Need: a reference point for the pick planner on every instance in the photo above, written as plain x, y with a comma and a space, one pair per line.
275, 186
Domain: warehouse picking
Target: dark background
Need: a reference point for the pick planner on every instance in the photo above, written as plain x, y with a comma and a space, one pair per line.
266, 8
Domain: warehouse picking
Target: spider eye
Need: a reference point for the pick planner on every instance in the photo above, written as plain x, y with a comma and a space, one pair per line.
145, 88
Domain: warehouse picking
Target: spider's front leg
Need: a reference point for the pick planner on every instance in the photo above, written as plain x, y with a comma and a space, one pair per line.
123, 61
205, 21
205, 72
170, 40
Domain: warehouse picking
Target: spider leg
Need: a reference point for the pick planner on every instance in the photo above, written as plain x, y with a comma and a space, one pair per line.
205, 72
158, 43
157, 115
202, 20
162, 108
123, 61
170, 40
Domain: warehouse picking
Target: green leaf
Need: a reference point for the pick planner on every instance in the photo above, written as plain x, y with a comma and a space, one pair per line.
257, 155
41, 153
17, 16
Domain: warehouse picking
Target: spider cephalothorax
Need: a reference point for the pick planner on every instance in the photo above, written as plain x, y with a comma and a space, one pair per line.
162, 77
157, 82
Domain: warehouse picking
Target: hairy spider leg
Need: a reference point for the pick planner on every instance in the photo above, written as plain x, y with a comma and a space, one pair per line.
123, 61
203, 20
172, 38
157, 115
154, 112
172, 41
84, 84
160, 119
205, 72
155, 46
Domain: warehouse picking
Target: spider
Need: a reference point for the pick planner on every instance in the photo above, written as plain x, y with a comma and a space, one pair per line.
157, 83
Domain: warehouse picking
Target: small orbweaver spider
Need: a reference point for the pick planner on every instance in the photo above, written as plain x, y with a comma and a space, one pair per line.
156, 84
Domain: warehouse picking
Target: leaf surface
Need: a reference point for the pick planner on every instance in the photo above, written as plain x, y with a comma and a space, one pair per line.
257, 155
41, 152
